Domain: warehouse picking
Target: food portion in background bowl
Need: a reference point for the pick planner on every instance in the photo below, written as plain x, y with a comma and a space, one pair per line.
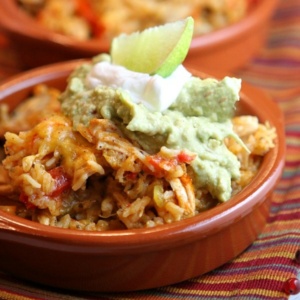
222, 50
86, 19
128, 149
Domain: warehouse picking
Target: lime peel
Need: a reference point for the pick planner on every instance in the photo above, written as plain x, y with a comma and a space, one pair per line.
156, 50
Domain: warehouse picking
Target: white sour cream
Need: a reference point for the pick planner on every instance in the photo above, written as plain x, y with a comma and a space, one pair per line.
155, 92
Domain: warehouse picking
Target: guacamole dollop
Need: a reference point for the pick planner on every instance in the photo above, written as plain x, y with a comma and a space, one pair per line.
198, 120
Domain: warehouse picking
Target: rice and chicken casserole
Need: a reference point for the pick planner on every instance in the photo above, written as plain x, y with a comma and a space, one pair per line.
95, 178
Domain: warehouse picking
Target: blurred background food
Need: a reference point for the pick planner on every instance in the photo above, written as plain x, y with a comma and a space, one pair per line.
85, 19
228, 33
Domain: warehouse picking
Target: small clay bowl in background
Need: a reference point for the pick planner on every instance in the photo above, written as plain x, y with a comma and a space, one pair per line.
135, 259
224, 50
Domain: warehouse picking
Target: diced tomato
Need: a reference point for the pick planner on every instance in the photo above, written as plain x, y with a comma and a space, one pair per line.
85, 10
155, 161
62, 181
131, 175
161, 165
24, 199
184, 157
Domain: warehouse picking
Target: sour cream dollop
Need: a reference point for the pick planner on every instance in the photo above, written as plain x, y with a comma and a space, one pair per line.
155, 92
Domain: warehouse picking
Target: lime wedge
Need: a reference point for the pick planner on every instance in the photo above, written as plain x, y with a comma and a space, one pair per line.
156, 50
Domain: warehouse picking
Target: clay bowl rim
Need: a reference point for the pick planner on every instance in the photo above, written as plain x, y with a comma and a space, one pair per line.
181, 232
27, 26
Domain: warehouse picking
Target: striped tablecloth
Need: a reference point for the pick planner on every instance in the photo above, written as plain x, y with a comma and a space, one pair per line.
261, 271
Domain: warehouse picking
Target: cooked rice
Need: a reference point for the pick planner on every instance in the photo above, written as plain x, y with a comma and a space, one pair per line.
96, 179
42, 103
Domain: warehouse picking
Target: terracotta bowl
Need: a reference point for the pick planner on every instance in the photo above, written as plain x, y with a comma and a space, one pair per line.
225, 50
128, 260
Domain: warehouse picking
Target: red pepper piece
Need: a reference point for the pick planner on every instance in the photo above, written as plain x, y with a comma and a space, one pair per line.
85, 10
62, 181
